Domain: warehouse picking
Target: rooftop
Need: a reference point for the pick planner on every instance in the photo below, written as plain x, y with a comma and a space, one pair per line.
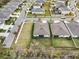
74, 28
41, 28
37, 10
59, 29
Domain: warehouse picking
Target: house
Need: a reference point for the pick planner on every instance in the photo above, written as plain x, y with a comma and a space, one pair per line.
36, 5
41, 29
41, 2
64, 10
73, 28
59, 29
62, 1
8, 40
38, 11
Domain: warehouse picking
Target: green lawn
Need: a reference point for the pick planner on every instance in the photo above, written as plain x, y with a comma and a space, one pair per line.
77, 42
44, 41
60, 42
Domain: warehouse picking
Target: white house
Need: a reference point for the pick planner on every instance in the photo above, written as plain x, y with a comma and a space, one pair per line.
37, 6
41, 2
38, 11
64, 10
62, 1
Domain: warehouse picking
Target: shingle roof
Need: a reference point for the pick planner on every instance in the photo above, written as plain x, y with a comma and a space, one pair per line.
59, 29
74, 28
41, 28
40, 1
14, 29
9, 40
37, 10
64, 8
9, 9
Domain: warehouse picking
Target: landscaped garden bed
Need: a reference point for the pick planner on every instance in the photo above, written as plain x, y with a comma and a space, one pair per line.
11, 20
2, 30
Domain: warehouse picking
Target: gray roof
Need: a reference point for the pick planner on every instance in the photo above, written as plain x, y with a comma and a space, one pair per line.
62, 0
59, 4
41, 28
40, 1
59, 29
9, 9
14, 29
74, 28
64, 8
37, 10
9, 40
21, 18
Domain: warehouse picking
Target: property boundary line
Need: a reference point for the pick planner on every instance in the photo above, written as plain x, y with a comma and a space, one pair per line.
19, 32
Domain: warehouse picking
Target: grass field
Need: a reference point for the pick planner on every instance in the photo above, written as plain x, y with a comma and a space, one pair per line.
77, 42
60, 42
25, 36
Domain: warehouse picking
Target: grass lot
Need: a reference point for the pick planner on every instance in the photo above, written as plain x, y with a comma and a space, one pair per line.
60, 42
77, 42
25, 36
44, 41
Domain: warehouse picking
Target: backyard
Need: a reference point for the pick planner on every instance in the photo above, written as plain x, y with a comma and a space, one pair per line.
77, 41
46, 42
62, 42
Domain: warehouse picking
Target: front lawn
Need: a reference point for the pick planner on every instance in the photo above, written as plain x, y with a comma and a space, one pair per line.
62, 42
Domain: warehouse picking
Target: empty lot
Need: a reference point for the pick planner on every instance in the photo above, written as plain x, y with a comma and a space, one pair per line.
25, 36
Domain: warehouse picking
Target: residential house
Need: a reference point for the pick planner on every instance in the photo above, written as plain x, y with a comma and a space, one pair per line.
41, 2
59, 29
38, 11
8, 40
41, 29
64, 10
62, 1
73, 28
